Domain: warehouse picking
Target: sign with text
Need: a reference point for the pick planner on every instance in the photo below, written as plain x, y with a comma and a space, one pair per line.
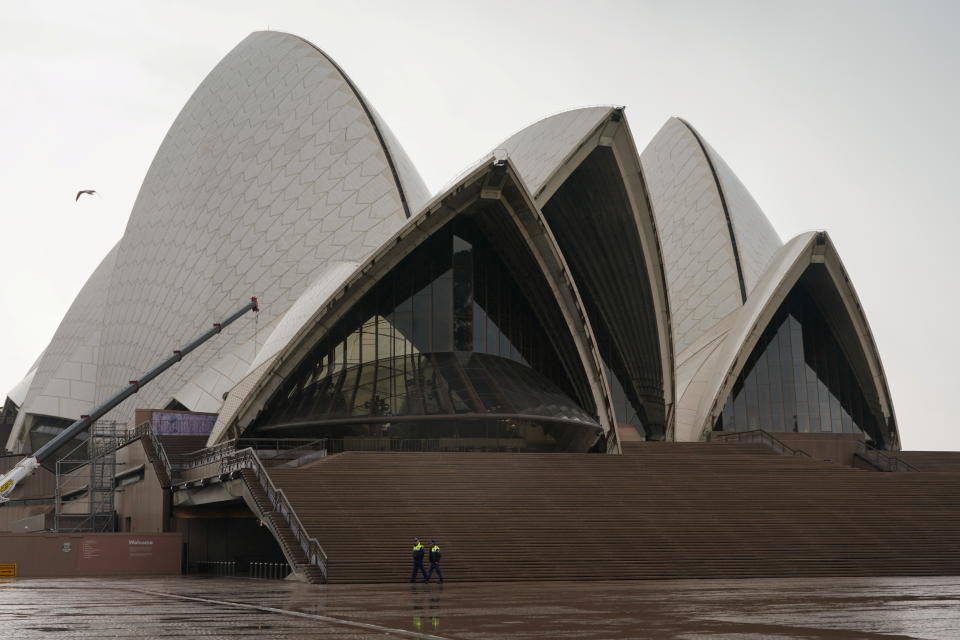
130, 553
40, 554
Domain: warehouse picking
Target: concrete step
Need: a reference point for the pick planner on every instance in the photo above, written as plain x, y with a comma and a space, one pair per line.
678, 510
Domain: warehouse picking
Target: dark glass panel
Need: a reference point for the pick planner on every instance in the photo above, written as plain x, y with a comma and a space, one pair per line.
462, 295
8, 415
43, 429
446, 333
479, 328
442, 315
422, 307
598, 235
623, 408
472, 386
798, 379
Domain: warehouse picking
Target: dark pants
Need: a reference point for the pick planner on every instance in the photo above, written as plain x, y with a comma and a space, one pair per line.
418, 566
435, 566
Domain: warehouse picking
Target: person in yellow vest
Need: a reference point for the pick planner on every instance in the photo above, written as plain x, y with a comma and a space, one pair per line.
435, 561
418, 561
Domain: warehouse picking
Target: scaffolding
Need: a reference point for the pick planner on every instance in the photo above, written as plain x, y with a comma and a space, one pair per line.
84, 499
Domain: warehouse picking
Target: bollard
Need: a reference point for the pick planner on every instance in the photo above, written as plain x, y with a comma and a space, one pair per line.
267, 570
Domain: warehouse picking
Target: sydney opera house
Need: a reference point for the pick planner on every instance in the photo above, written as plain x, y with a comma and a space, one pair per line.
567, 294
566, 288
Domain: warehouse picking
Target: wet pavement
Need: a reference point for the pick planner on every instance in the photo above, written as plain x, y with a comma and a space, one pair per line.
175, 607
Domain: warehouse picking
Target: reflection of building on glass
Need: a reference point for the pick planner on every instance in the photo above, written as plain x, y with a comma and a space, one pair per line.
418, 599
435, 606
446, 346
425, 606
800, 378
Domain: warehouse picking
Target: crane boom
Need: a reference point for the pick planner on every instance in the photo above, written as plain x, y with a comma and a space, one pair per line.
10, 480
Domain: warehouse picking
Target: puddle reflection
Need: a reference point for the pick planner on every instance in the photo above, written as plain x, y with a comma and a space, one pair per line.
425, 603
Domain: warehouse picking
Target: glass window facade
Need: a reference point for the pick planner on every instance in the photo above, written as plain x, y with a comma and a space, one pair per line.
592, 218
445, 345
798, 379
8, 415
625, 408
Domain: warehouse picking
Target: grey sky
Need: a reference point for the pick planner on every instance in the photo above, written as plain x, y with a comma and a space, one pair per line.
835, 115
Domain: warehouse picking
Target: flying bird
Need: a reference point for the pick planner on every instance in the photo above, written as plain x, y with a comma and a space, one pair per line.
89, 192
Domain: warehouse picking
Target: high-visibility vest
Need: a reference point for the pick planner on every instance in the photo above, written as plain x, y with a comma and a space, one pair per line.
435, 548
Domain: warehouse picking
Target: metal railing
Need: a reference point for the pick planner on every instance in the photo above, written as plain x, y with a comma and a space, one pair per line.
193, 459
415, 445
85, 500
277, 445
759, 436
145, 432
217, 568
205, 456
247, 459
881, 460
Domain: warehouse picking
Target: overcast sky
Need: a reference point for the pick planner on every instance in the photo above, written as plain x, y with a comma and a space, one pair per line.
835, 115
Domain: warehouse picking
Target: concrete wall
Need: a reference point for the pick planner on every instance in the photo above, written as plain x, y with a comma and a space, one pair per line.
40, 555
142, 507
41, 521
42, 484
225, 534
829, 447
11, 515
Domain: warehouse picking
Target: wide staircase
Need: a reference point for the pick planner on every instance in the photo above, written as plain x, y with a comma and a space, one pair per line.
931, 460
278, 523
662, 510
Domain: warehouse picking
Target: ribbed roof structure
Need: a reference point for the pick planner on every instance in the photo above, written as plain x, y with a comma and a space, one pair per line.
727, 272
275, 168
279, 180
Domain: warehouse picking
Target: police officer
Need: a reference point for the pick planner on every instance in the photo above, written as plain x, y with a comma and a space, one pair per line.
435, 561
418, 561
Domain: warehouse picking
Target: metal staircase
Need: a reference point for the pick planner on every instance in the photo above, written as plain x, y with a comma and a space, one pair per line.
84, 497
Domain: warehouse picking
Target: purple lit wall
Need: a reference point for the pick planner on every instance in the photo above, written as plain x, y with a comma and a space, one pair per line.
181, 424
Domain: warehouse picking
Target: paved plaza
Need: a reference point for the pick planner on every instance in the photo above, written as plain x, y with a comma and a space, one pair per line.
860, 608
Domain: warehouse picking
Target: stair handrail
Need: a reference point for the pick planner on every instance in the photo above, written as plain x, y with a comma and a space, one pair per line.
144, 431
207, 455
247, 459
274, 444
763, 437
309, 446
882, 460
